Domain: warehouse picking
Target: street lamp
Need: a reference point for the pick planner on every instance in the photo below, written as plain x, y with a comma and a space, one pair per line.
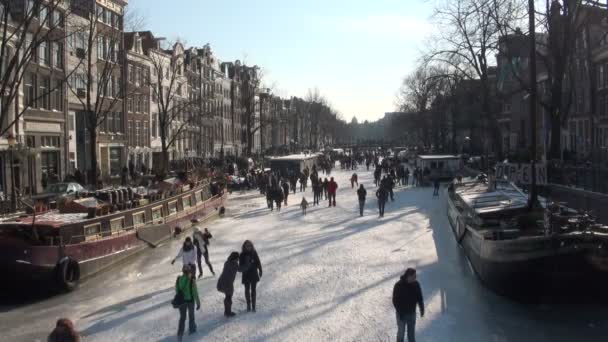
11, 144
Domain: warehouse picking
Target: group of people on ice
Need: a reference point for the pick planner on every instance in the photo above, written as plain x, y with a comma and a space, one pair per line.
186, 291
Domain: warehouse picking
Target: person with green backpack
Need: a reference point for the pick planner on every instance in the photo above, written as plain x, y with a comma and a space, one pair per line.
186, 294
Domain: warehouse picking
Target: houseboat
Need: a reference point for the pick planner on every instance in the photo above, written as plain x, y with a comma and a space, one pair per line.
88, 235
439, 166
513, 250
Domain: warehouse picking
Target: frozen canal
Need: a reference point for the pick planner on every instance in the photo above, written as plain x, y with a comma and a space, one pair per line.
328, 276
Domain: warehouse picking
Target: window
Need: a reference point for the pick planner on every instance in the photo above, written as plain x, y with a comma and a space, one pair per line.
137, 133
43, 15
58, 55
57, 19
120, 122
100, 13
116, 225
72, 122
131, 73
44, 53
139, 219
115, 161
30, 89
172, 208
58, 95
110, 122
130, 104
157, 213
44, 93
186, 202
92, 232
154, 129
49, 141
130, 131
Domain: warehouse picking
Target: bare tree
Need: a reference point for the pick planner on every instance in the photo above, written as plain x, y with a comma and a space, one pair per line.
467, 42
251, 79
96, 80
25, 28
424, 88
176, 112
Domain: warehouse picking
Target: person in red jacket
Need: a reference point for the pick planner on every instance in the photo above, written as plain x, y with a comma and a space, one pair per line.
332, 186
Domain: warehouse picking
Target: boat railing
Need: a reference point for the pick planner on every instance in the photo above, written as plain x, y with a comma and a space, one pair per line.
158, 221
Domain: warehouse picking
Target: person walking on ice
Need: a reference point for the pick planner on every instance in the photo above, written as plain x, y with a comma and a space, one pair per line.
187, 253
436, 186
225, 284
285, 187
251, 266
406, 294
361, 194
304, 205
354, 180
382, 195
186, 286
332, 187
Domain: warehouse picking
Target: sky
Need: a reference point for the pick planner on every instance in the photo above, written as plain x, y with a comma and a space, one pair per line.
356, 52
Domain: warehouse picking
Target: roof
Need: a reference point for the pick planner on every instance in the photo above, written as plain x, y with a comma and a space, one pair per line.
438, 156
482, 199
297, 157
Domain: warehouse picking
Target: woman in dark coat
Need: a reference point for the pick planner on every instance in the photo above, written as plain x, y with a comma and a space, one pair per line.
250, 265
225, 283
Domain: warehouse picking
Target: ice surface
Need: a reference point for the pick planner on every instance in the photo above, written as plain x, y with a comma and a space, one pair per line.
328, 276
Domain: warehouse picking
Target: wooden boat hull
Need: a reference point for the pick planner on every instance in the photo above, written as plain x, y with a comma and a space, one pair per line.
23, 262
523, 265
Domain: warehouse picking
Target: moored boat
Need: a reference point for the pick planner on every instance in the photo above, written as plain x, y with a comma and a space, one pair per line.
64, 248
512, 249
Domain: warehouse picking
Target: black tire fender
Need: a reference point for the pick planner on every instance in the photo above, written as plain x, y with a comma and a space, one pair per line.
461, 229
67, 273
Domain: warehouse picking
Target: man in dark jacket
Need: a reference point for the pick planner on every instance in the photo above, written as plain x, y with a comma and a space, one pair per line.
361, 194
285, 187
406, 294
382, 195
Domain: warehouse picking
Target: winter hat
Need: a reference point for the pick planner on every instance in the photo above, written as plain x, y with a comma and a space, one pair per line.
233, 256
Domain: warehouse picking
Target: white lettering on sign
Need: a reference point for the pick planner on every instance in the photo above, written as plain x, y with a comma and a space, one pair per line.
42, 127
521, 173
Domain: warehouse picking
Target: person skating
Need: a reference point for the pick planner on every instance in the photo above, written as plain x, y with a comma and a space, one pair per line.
390, 182
332, 187
269, 199
304, 205
303, 181
436, 186
285, 186
325, 185
293, 182
354, 180
406, 178
406, 294
278, 197
361, 194
187, 253
377, 174
251, 266
382, 195
225, 283
201, 242
317, 189
186, 285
